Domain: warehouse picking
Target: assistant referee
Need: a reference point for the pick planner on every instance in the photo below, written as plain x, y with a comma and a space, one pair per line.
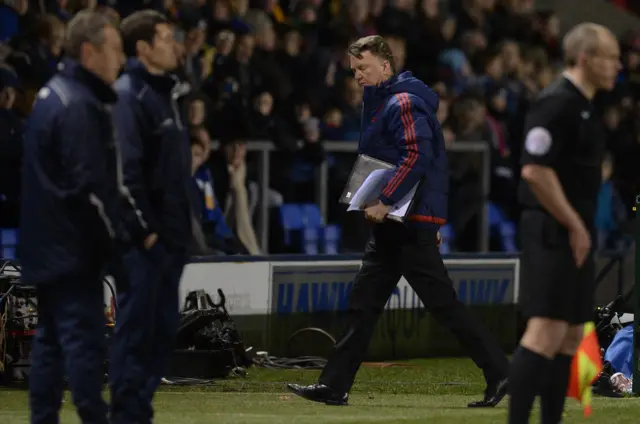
561, 175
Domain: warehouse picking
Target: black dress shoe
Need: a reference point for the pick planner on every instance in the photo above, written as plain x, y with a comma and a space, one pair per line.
319, 393
492, 395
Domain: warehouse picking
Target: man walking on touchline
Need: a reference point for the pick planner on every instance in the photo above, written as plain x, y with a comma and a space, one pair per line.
399, 126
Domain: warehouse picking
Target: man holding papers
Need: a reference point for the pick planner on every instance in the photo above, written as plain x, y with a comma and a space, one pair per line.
399, 127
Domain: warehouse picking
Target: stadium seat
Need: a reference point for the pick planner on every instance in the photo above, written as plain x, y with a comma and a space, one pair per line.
503, 228
313, 228
446, 234
8, 236
8, 243
291, 221
496, 217
311, 216
331, 240
508, 236
310, 240
8, 253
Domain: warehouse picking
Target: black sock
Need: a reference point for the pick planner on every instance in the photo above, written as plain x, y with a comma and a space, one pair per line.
554, 393
526, 375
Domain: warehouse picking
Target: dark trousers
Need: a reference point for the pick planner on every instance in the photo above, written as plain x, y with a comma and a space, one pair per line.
394, 251
146, 325
70, 339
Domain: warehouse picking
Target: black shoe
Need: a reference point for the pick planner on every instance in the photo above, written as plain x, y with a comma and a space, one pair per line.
492, 395
319, 393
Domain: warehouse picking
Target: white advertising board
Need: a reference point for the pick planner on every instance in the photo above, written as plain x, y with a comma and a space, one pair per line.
261, 288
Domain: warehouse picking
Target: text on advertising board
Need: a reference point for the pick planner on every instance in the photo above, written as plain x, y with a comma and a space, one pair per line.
316, 287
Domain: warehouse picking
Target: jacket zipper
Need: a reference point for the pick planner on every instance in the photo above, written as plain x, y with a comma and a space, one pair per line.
116, 145
176, 110
122, 188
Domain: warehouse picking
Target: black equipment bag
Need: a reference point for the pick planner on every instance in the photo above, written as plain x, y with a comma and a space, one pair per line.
208, 345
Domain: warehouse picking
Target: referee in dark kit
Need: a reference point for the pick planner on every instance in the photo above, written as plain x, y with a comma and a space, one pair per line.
399, 126
564, 145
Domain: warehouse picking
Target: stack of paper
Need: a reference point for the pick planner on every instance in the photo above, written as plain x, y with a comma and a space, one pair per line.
370, 191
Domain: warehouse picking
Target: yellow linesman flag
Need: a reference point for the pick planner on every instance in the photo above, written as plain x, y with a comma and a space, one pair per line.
585, 368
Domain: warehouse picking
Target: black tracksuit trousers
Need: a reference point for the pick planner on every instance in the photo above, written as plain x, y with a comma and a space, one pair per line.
394, 251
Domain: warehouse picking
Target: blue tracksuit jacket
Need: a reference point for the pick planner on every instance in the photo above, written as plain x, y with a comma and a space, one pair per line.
71, 184
157, 156
399, 126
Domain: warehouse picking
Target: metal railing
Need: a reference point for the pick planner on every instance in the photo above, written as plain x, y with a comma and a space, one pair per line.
264, 148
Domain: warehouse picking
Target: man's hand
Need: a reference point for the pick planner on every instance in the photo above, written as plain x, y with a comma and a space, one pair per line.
150, 241
438, 239
376, 212
580, 241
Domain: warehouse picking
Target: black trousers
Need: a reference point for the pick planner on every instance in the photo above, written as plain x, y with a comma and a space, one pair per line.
146, 325
69, 341
394, 251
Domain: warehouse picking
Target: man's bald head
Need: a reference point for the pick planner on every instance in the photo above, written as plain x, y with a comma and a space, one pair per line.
594, 52
585, 38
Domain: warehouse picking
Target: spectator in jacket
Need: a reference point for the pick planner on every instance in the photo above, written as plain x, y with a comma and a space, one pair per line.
231, 168
69, 219
157, 168
217, 234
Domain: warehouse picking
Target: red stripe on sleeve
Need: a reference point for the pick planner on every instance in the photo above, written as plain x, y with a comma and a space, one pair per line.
410, 142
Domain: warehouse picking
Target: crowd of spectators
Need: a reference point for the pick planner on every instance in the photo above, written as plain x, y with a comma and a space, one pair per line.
279, 71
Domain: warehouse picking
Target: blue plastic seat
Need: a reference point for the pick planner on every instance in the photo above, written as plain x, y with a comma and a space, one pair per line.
331, 239
8, 253
446, 234
508, 236
311, 216
310, 240
291, 216
503, 228
8, 236
291, 220
496, 217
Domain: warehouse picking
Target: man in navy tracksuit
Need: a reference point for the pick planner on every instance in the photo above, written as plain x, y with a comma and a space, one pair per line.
399, 125
69, 219
157, 167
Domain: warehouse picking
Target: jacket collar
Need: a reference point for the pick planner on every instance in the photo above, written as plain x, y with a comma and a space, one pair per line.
103, 91
164, 83
384, 88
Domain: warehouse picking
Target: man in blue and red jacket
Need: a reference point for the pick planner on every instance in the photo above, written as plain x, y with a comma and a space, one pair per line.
399, 126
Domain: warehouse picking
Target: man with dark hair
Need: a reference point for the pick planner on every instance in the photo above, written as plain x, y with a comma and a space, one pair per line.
561, 177
399, 126
69, 219
157, 158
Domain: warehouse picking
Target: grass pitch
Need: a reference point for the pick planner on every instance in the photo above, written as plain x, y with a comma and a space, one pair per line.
427, 391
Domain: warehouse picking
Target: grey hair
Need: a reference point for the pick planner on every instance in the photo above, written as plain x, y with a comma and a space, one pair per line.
87, 26
376, 45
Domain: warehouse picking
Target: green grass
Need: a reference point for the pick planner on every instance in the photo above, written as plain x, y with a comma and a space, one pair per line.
430, 391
